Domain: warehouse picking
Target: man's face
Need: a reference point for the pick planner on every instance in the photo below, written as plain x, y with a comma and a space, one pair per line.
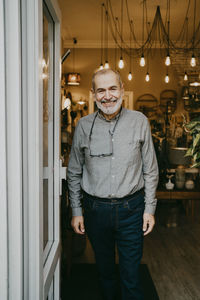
108, 93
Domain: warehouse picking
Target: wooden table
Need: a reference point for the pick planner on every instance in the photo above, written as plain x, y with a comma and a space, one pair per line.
190, 195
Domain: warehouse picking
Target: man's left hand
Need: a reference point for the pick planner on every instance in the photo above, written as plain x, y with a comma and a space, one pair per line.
148, 223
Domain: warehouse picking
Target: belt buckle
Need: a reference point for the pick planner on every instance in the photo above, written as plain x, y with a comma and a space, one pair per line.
114, 200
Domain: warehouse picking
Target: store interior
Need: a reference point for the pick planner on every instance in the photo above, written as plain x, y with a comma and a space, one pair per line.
158, 43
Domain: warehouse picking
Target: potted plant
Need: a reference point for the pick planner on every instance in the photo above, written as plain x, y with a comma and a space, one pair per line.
193, 128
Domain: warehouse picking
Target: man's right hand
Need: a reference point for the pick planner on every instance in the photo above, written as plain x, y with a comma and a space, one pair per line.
78, 224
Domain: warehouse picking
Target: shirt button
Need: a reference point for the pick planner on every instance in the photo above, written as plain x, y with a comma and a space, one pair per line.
112, 194
113, 157
113, 176
112, 140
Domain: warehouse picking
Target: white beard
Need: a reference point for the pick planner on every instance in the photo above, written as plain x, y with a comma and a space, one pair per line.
109, 110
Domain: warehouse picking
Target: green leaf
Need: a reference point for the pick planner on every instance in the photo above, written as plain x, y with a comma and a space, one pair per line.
198, 157
196, 140
195, 150
196, 165
189, 152
192, 124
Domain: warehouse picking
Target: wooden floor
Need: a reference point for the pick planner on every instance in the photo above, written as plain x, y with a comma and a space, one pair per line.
171, 253
173, 259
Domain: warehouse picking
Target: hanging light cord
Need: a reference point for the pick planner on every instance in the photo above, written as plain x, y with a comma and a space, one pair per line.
157, 25
102, 33
168, 26
130, 47
122, 11
143, 27
194, 25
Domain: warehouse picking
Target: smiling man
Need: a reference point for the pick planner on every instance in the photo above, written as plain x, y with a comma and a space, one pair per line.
113, 169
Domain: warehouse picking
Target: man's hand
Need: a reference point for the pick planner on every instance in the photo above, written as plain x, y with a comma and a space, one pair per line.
148, 223
78, 224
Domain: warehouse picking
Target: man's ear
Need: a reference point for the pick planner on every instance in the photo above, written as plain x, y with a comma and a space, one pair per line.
122, 89
93, 94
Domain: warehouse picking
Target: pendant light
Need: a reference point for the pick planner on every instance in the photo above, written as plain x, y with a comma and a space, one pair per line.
185, 76
167, 60
130, 61
147, 77
167, 78
130, 76
193, 58
73, 78
142, 59
193, 61
101, 67
121, 62
106, 66
101, 64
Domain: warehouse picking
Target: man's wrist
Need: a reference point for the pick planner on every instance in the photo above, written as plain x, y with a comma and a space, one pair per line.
77, 211
150, 210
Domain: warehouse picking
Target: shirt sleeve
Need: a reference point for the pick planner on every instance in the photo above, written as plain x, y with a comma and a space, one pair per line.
150, 170
74, 172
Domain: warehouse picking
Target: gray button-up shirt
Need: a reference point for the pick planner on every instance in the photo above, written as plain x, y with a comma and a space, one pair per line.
112, 164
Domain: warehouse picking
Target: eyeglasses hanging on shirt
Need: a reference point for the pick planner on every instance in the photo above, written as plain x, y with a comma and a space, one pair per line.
111, 133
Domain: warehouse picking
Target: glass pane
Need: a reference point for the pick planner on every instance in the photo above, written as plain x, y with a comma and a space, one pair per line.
48, 134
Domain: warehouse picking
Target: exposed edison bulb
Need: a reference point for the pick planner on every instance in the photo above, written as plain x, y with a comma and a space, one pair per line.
185, 76
167, 60
147, 77
121, 63
101, 67
167, 78
193, 61
130, 76
142, 61
106, 65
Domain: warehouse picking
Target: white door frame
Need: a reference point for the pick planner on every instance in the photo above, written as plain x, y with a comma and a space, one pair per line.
22, 273
3, 171
13, 129
38, 278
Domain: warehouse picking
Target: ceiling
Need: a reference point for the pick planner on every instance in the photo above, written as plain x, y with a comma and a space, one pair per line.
82, 19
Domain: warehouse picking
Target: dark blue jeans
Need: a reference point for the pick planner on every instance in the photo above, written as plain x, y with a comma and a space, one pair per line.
110, 222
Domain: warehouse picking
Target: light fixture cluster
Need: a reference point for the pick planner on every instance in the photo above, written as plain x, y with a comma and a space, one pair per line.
155, 34
130, 75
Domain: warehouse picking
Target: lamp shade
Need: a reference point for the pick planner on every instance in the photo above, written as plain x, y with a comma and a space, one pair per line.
73, 78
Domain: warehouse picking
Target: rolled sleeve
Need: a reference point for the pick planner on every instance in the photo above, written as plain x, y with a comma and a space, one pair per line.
150, 171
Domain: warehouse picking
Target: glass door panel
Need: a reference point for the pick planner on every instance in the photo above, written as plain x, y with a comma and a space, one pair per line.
48, 133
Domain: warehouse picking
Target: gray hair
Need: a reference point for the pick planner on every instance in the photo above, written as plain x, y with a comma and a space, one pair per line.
103, 72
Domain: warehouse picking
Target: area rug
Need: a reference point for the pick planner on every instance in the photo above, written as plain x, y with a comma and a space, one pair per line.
83, 284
